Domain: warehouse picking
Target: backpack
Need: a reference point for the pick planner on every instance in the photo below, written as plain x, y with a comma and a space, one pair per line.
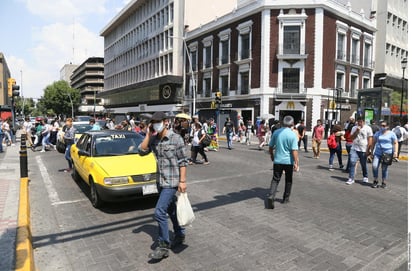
332, 144
207, 140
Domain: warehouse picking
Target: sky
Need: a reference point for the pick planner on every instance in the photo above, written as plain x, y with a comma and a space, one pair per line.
38, 37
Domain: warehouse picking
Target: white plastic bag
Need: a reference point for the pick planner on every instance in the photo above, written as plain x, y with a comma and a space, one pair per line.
185, 214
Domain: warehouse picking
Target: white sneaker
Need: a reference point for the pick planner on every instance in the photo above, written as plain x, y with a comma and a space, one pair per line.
42, 151
350, 181
365, 180
331, 168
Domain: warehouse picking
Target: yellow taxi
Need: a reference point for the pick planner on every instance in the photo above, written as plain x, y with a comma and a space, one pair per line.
109, 163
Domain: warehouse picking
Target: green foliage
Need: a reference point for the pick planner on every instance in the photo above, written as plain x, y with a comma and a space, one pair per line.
28, 103
58, 98
396, 99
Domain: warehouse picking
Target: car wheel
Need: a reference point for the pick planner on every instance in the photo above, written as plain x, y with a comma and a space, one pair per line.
94, 196
61, 148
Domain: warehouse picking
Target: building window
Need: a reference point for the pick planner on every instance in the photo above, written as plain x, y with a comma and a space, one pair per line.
193, 58
355, 50
367, 62
207, 57
224, 85
353, 85
291, 39
341, 53
291, 80
245, 46
244, 82
340, 80
207, 87
366, 83
224, 52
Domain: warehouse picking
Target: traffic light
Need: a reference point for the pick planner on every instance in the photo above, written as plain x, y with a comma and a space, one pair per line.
12, 88
218, 97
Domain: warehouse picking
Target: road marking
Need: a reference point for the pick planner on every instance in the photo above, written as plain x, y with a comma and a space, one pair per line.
51, 191
69, 201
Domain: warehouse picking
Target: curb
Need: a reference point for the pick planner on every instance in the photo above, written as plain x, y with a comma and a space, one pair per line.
24, 248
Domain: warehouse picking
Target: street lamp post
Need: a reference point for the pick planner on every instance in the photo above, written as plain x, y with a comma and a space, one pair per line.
404, 63
71, 101
194, 86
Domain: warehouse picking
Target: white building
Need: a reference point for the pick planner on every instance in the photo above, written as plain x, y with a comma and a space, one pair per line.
144, 52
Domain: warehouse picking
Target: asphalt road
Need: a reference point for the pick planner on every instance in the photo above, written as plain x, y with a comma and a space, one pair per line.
328, 225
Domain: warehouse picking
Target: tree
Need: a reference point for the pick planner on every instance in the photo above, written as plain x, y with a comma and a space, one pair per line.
56, 99
29, 106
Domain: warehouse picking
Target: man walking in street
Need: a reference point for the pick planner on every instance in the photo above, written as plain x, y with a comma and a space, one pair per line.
302, 135
401, 134
362, 136
317, 135
170, 152
283, 150
229, 128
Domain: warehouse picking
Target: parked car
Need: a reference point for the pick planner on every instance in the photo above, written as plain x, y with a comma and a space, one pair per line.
109, 163
80, 126
82, 118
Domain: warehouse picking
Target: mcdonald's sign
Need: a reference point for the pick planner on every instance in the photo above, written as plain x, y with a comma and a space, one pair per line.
332, 105
290, 105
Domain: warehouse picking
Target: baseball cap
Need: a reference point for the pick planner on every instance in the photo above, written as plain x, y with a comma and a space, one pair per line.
158, 116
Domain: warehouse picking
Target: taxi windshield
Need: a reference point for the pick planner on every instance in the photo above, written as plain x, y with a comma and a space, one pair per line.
117, 144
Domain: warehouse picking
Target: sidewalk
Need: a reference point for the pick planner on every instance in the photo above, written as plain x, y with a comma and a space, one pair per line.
9, 200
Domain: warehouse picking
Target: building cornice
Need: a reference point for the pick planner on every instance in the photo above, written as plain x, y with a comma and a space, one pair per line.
260, 5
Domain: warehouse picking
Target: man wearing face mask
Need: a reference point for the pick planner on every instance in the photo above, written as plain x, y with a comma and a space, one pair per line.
170, 152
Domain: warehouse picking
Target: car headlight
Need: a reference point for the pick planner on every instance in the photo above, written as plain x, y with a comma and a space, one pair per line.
116, 180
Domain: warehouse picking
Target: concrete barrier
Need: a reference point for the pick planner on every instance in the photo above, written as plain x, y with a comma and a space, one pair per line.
24, 248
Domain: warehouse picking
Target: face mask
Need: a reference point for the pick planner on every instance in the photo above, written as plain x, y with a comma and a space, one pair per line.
158, 127
383, 129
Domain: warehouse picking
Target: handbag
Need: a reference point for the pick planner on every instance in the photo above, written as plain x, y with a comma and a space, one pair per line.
387, 158
184, 211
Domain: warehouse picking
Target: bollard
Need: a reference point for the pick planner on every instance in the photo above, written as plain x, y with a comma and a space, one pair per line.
23, 157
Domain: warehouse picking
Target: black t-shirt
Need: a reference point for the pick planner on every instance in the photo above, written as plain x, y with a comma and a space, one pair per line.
301, 128
228, 126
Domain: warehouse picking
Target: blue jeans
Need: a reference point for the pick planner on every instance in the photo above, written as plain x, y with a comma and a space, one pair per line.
68, 156
338, 152
375, 168
1, 141
348, 147
45, 141
229, 138
354, 156
166, 205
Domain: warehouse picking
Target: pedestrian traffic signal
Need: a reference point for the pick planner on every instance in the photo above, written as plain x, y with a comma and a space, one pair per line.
218, 97
12, 88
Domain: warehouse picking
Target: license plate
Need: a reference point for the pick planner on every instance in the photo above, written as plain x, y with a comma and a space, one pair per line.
149, 189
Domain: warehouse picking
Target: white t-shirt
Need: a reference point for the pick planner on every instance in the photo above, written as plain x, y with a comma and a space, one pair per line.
360, 143
27, 126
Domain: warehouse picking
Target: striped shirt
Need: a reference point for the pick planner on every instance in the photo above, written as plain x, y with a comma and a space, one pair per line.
170, 152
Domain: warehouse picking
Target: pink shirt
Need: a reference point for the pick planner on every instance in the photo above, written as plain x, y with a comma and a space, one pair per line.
318, 132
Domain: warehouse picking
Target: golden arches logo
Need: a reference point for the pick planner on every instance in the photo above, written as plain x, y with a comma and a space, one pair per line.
290, 105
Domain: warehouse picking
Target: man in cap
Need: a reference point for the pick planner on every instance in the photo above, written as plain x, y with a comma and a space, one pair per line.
170, 151
283, 150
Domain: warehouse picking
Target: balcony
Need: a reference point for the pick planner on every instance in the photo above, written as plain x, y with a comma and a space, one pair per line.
291, 88
340, 55
292, 51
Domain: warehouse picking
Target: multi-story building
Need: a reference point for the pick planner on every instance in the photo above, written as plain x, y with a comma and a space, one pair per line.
306, 59
88, 78
4, 75
391, 43
143, 52
66, 71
